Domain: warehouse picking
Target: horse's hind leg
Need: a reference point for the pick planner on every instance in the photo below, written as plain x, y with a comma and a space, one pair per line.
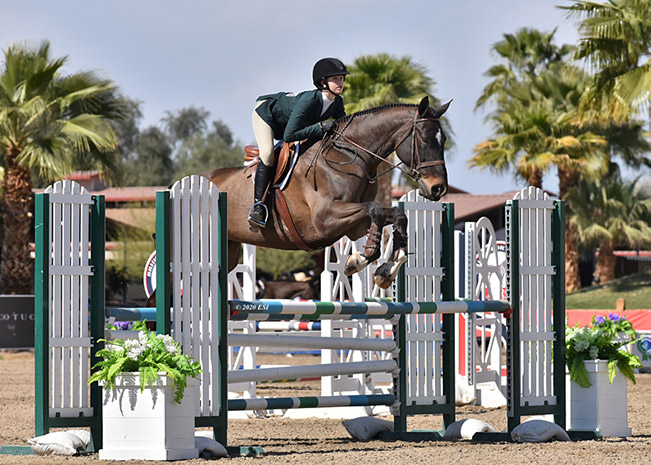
387, 272
372, 248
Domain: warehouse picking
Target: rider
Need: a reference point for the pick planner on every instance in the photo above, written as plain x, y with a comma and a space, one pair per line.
291, 117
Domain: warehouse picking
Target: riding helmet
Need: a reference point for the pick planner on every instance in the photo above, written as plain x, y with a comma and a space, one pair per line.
327, 67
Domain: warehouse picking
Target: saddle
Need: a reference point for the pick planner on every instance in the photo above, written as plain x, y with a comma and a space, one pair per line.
286, 155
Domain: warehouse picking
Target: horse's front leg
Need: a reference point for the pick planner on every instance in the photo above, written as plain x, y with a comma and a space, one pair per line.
373, 247
387, 272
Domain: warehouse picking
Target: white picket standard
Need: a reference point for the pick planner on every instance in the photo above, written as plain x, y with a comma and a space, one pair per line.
423, 275
69, 272
195, 268
536, 273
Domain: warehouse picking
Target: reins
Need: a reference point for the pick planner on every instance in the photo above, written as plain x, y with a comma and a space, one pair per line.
415, 164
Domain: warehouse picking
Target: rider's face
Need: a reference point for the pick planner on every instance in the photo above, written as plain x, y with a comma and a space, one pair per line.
335, 84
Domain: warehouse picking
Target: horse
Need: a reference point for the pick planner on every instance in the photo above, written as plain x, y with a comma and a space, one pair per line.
333, 186
305, 290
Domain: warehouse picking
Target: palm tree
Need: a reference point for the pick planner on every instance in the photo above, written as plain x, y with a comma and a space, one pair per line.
536, 121
610, 212
49, 122
615, 39
526, 54
376, 80
534, 135
533, 92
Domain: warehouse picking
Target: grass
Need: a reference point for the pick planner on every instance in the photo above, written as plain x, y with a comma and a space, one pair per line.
635, 289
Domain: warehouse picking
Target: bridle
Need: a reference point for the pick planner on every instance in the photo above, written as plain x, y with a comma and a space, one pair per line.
415, 164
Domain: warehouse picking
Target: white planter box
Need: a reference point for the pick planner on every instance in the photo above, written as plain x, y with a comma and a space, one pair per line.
147, 425
602, 407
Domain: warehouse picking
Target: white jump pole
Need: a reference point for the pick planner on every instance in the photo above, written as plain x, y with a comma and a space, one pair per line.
304, 371
310, 342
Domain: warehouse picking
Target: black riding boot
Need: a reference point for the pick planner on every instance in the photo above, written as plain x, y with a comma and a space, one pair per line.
259, 213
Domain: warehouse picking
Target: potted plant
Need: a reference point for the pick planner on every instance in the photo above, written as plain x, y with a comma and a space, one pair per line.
597, 399
147, 412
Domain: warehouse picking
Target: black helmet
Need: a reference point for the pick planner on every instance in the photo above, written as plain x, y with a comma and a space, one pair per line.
327, 67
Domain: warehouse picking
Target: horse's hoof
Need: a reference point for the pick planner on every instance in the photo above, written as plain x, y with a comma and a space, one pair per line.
353, 264
383, 276
387, 272
382, 283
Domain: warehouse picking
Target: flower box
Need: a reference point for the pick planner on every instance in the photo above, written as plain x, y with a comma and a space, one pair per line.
148, 425
601, 407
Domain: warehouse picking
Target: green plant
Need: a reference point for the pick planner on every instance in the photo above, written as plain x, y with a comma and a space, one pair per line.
583, 344
277, 262
149, 354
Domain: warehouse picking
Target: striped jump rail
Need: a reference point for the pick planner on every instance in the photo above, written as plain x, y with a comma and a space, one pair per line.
284, 403
326, 310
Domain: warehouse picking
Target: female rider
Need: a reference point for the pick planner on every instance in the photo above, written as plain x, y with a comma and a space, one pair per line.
293, 117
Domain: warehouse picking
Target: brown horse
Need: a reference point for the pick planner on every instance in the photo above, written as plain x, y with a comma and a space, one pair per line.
332, 190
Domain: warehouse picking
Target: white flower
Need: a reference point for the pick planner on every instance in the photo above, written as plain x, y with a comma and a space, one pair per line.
131, 343
142, 337
170, 345
112, 347
134, 353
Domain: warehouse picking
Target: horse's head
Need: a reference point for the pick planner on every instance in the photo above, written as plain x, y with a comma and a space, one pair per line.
422, 147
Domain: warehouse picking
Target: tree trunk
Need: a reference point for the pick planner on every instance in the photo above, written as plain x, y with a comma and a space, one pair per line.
16, 268
567, 179
572, 278
535, 178
605, 267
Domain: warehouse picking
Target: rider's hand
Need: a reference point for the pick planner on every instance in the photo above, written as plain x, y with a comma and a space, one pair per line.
328, 127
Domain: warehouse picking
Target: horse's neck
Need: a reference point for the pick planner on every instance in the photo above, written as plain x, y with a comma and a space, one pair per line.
379, 132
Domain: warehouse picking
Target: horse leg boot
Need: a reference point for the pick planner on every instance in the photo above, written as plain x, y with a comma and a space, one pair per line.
372, 248
358, 261
259, 213
387, 272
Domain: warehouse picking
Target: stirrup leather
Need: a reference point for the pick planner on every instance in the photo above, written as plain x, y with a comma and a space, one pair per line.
257, 222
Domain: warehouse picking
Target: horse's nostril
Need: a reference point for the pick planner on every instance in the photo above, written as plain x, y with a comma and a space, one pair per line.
439, 190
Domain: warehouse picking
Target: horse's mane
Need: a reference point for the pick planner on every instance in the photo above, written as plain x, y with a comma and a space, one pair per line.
374, 110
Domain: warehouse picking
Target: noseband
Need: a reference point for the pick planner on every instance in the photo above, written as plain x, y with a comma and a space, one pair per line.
416, 164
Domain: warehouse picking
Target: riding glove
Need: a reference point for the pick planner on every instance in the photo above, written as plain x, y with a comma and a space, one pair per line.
328, 126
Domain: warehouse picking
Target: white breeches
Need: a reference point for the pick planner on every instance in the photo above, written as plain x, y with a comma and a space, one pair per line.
264, 136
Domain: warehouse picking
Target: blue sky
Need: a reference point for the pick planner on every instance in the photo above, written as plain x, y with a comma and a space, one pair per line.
220, 55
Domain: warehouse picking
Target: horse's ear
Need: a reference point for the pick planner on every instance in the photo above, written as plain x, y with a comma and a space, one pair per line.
442, 109
423, 106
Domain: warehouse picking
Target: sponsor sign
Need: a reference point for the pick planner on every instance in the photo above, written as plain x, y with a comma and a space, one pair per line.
16, 321
149, 278
642, 348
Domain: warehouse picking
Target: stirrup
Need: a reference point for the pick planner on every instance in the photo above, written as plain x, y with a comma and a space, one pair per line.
257, 222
